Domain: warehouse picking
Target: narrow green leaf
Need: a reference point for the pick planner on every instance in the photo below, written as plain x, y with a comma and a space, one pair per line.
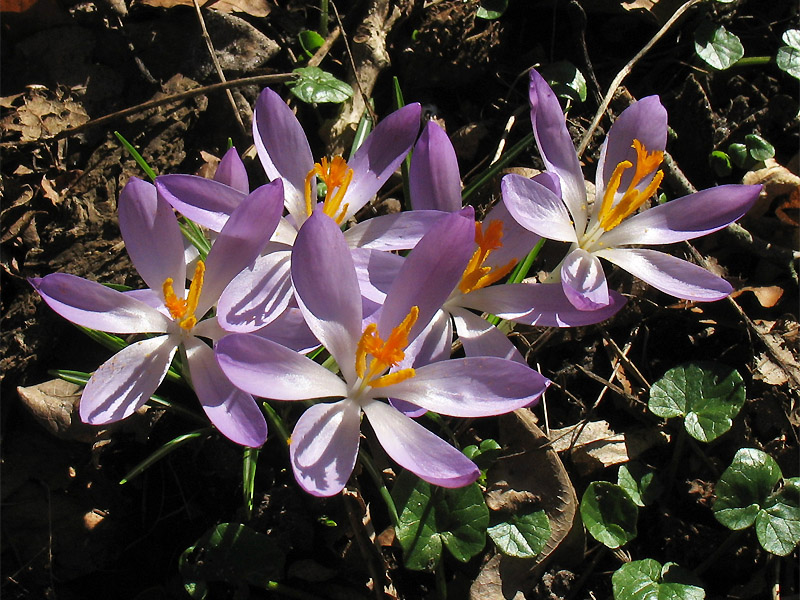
717, 46
609, 514
744, 487
431, 517
136, 156
522, 536
167, 448
315, 86
708, 395
249, 465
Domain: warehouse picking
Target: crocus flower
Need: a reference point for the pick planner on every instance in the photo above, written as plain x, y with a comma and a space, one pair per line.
627, 176
499, 243
154, 242
325, 440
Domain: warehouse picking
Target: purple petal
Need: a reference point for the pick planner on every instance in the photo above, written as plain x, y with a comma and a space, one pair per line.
283, 149
517, 241
267, 369
669, 274
644, 120
381, 154
151, 234
542, 304
376, 270
419, 450
685, 218
470, 387
434, 179
397, 231
555, 146
326, 288
324, 447
430, 272
232, 411
241, 240
207, 202
434, 343
290, 330
537, 208
481, 338
231, 172
90, 304
584, 281
257, 295
127, 380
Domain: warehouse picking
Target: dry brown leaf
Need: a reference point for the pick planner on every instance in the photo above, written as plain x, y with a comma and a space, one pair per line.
767, 296
766, 368
43, 116
255, 8
511, 484
595, 445
54, 403
777, 181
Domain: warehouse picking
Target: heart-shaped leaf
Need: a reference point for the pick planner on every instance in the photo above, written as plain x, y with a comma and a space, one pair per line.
707, 395
609, 514
648, 580
640, 482
315, 86
430, 517
717, 46
743, 488
759, 148
522, 536
778, 523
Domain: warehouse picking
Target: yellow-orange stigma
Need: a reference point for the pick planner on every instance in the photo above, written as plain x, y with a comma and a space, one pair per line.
183, 310
384, 354
336, 176
477, 276
612, 214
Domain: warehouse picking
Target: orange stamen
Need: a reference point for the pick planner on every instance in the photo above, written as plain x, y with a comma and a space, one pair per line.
384, 354
183, 310
337, 177
477, 276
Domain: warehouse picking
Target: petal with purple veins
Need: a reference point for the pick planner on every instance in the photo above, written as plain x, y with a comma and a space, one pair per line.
583, 280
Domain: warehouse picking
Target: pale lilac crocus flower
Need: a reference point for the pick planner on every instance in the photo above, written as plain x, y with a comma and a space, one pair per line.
627, 177
325, 440
499, 243
155, 244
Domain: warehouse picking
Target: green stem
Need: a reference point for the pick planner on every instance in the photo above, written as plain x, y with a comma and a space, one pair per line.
369, 466
521, 270
276, 422
498, 166
323, 18
752, 61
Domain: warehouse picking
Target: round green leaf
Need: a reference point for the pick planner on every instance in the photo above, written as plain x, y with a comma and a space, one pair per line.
720, 162
640, 482
566, 80
738, 154
791, 37
744, 487
609, 514
491, 9
521, 536
778, 523
310, 41
717, 46
759, 148
648, 580
708, 396
788, 59
315, 86
431, 517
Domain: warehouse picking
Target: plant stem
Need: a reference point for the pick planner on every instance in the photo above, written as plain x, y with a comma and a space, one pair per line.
752, 61
323, 18
441, 581
493, 170
369, 466
276, 422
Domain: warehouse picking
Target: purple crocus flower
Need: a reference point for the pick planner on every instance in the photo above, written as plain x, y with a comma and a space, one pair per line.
154, 242
499, 243
325, 440
627, 177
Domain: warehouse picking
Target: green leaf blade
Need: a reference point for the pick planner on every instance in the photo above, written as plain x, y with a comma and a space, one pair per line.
609, 514
522, 536
718, 47
744, 487
316, 86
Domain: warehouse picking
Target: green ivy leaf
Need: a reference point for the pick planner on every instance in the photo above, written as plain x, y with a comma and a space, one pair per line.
788, 60
720, 162
566, 80
522, 536
640, 482
431, 517
232, 553
315, 86
491, 9
717, 46
759, 148
648, 580
778, 524
743, 488
609, 514
738, 154
310, 41
707, 395
791, 37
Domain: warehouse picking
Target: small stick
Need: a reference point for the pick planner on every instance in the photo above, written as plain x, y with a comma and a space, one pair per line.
217, 66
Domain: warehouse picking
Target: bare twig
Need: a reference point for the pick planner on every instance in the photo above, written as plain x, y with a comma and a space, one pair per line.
217, 66
323, 50
200, 91
626, 71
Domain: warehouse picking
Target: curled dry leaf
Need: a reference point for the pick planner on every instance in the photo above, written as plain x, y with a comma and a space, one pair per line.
767, 296
777, 181
255, 8
512, 486
777, 369
594, 445
43, 114
54, 403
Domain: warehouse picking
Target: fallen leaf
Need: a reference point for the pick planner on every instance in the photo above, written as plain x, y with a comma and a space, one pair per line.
767, 296
43, 114
777, 370
255, 8
54, 403
776, 180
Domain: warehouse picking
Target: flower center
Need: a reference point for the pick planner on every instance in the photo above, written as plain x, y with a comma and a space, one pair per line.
384, 354
477, 276
180, 309
611, 214
336, 176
